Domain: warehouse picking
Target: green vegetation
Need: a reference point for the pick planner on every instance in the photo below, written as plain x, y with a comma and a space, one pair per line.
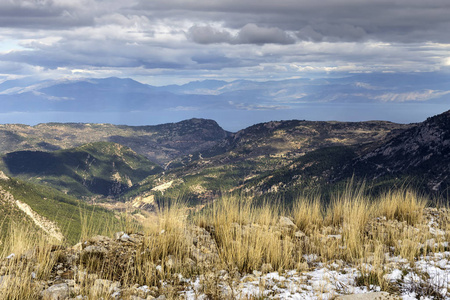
160, 144
101, 168
69, 214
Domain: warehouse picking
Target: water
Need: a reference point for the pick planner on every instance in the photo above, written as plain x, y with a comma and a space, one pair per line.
234, 119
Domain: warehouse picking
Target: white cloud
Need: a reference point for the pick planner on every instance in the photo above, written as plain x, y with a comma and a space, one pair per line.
411, 96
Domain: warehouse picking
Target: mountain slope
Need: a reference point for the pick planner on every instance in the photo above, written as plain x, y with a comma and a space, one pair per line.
100, 168
160, 143
294, 138
422, 152
418, 155
266, 155
48, 209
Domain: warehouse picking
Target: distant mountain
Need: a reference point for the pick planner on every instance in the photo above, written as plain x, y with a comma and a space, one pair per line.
101, 168
127, 95
270, 156
101, 95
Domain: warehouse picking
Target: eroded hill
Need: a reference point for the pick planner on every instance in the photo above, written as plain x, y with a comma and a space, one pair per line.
160, 143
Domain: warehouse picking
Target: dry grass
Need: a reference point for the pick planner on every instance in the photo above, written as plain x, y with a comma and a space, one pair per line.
350, 211
28, 257
353, 228
248, 236
372, 270
169, 233
163, 254
308, 213
401, 205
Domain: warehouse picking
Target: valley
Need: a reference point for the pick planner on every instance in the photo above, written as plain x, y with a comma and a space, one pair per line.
198, 161
277, 191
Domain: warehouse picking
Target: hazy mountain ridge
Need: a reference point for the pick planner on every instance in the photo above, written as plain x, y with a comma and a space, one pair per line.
110, 94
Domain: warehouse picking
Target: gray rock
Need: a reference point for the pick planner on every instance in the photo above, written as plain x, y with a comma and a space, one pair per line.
266, 268
104, 285
300, 234
99, 239
118, 235
94, 250
286, 222
369, 296
56, 292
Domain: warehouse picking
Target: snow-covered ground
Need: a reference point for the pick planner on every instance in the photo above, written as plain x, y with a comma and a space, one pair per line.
428, 275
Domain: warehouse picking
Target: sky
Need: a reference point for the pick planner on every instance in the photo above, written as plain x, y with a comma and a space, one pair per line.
176, 41
162, 42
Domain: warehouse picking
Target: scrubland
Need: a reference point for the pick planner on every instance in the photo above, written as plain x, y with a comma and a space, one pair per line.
237, 248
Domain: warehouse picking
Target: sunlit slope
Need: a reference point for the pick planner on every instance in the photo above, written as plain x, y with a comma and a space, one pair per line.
51, 211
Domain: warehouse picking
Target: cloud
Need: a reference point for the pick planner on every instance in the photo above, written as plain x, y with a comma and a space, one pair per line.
249, 34
252, 34
246, 106
223, 38
332, 33
346, 20
184, 108
208, 35
43, 13
411, 96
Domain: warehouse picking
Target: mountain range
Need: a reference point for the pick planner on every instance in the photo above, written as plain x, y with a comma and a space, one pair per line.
199, 160
53, 173
108, 93
234, 104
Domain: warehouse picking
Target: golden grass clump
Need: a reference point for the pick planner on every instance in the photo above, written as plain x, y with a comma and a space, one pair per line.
308, 213
248, 235
350, 211
372, 270
402, 205
169, 233
26, 254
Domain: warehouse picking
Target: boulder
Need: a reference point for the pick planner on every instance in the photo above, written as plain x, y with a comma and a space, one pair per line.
56, 292
369, 296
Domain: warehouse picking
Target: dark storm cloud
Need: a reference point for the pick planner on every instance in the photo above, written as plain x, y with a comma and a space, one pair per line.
249, 34
45, 13
344, 20
209, 35
241, 38
252, 34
